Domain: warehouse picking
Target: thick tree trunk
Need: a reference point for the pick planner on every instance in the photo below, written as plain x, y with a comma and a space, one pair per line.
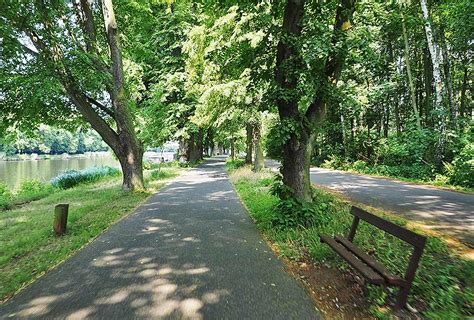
131, 159
295, 166
194, 147
258, 162
129, 148
249, 143
294, 150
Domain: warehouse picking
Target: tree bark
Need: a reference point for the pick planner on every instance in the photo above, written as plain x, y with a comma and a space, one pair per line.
453, 110
129, 149
232, 148
258, 162
249, 143
288, 63
438, 84
463, 92
298, 147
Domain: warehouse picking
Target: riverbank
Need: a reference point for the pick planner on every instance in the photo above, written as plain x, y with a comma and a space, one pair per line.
441, 289
14, 173
29, 247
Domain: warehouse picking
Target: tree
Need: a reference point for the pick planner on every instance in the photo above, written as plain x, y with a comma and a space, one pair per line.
60, 46
298, 144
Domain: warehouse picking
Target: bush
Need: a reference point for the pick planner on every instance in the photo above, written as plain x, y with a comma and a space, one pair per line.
5, 197
461, 170
336, 162
72, 178
234, 164
31, 190
290, 213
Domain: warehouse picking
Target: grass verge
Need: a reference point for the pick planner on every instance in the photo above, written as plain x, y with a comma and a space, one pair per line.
443, 285
28, 246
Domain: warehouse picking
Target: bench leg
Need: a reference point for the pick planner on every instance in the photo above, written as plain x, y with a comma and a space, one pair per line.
402, 297
409, 277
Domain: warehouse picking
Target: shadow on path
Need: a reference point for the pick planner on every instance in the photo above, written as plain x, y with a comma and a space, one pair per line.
190, 252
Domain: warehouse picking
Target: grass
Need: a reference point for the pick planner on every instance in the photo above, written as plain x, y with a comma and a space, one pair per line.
28, 246
443, 285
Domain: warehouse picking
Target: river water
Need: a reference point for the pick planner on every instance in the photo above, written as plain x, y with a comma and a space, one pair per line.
13, 173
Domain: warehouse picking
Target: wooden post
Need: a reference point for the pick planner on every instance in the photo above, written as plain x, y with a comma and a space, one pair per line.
60, 218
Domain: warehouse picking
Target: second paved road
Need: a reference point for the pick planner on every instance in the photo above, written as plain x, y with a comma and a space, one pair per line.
190, 252
446, 211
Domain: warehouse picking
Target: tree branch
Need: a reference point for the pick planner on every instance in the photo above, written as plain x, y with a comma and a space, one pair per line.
100, 106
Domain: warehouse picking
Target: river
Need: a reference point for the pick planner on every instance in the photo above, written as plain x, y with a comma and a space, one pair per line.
13, 173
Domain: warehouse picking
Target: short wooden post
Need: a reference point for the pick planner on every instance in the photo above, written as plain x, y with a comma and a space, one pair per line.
60, 218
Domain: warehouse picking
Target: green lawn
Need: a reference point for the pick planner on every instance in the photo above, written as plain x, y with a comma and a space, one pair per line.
28, 246
441, 289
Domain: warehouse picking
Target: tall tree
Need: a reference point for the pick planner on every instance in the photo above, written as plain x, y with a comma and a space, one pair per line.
60, 45
298, 144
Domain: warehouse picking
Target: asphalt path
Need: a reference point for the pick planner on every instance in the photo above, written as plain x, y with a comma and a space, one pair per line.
190, 252
443, 210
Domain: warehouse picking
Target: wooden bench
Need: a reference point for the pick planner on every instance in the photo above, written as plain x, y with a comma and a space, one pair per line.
373, 271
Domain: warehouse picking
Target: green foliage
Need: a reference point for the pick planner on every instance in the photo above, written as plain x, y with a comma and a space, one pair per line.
5, 196
49, 140
441, 287
72, 178
32, 190
461, 170
234, 164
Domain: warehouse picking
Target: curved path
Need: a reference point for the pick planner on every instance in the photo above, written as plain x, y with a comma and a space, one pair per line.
447, 211
190, 252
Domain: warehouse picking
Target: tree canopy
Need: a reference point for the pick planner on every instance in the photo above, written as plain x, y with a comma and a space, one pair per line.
379, 84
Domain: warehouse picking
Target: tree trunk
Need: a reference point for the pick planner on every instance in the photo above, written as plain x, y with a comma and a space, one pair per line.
410, 77
129, 149
249, 143
295, 166
194, 147
427, 76
453, 110
438, 84
258, 162
463, 92
232, 148
131, 158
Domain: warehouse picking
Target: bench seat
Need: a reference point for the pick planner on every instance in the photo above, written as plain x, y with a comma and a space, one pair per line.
364, 269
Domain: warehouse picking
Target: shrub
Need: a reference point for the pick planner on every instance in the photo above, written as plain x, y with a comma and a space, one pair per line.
31, 190
5, 196
72, 178
290, 213
234, 164
360, 166
461, 170
336, 162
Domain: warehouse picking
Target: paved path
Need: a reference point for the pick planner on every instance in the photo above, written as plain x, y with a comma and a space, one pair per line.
190, 252
447, 211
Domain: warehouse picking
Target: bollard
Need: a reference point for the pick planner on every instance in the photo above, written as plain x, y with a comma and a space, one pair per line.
60, 218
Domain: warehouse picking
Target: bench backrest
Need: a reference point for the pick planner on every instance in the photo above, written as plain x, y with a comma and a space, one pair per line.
416, 240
